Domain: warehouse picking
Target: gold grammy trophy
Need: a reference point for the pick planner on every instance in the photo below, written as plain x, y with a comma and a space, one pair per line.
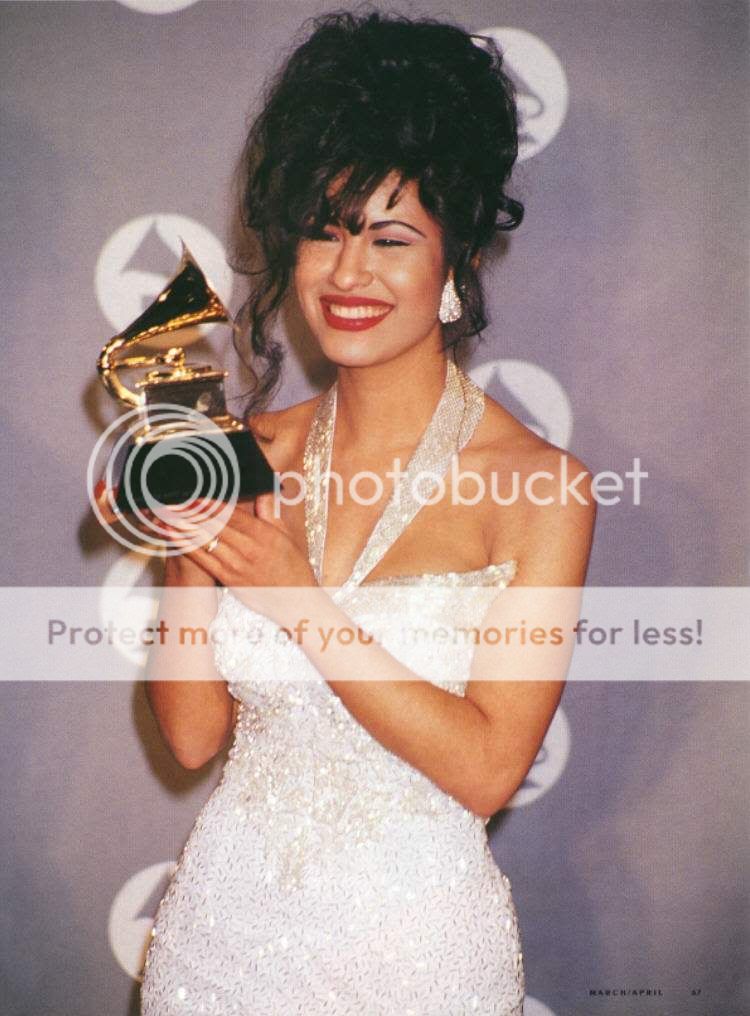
195, 391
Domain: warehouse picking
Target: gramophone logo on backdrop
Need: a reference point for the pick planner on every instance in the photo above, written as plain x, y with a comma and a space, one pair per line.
130, 920
532, 394
157, 6
127, 277
533, 1007
541, 83
548, 765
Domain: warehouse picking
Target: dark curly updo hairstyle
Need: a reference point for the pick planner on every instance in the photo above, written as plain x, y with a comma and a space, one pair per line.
372, 93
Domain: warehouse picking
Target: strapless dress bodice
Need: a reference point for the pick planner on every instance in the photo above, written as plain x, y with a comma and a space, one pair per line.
300, 762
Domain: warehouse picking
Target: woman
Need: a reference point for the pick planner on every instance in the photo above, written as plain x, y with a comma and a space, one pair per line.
342, 864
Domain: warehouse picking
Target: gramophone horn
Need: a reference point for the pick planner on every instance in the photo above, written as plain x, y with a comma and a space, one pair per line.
186, 300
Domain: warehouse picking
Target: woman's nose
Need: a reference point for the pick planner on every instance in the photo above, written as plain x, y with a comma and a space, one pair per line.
351, 268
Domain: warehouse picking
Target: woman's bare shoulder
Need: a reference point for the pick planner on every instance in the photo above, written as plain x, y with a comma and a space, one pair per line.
504, 442
532, 485
284, 430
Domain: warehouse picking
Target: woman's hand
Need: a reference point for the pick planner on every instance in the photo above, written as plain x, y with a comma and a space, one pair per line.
105, 500
255, 556
179, 570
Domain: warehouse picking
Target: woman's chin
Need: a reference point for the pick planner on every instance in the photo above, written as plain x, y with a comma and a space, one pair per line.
355, 350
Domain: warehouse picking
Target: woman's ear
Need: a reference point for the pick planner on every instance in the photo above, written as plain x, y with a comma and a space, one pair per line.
475, 260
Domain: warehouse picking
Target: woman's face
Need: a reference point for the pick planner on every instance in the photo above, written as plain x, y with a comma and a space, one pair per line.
370, 297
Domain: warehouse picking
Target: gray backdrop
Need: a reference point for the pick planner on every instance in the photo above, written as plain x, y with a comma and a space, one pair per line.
619, 329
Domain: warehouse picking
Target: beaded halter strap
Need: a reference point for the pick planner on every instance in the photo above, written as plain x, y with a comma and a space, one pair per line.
456, 416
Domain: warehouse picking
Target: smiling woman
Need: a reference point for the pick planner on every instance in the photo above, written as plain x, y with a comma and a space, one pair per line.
342, 867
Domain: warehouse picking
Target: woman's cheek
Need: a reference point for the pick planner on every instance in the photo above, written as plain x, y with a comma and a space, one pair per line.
424, 288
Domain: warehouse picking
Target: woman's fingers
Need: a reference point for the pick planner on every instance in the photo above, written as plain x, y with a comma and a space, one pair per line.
168, 523
105, 501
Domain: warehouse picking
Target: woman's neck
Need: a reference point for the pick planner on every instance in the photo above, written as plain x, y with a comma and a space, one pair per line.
386, 406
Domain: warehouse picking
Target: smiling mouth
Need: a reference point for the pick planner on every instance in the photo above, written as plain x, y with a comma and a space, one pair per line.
354, 316
361, 311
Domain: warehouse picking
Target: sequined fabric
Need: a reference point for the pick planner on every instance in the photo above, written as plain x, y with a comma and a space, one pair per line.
325, 875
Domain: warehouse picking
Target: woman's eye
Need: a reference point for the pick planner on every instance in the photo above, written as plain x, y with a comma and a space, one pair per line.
326, 236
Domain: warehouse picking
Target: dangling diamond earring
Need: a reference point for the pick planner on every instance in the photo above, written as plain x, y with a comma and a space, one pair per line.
450, 305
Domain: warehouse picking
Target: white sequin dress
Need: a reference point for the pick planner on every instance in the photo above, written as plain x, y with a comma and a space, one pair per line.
325, 876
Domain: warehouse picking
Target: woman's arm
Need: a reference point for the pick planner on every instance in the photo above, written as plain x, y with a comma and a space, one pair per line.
477, 748
546, 596
196, 716
189, 699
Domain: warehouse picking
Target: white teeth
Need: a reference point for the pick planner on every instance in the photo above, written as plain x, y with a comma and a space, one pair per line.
356, 312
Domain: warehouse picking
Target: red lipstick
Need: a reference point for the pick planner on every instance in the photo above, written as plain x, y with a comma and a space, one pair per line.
353, 324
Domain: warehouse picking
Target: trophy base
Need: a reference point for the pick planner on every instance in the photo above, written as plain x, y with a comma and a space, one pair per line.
173, 477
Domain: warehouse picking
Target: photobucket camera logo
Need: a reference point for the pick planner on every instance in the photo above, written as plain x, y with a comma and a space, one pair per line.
178, 442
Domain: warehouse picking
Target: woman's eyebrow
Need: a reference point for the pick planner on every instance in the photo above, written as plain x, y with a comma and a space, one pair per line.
395, 222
